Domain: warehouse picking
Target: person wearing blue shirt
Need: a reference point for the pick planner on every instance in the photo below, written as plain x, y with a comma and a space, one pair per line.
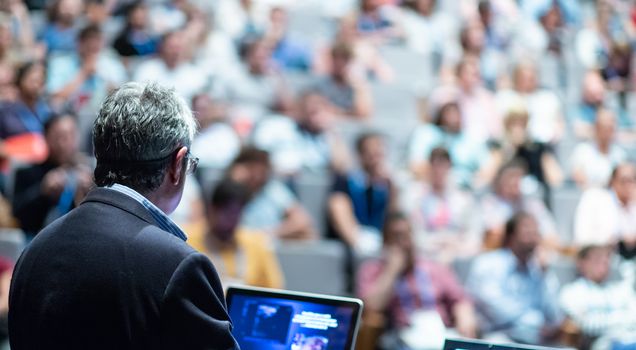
514, 295
30, 111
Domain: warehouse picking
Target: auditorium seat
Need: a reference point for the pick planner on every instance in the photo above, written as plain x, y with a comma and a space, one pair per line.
313, 266
564, 202
313, 191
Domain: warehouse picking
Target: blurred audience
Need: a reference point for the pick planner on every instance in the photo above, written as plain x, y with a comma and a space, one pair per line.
361, 199
240, 256
136, 39
443, 215
473, 165
257, 86
30, 111
604, 309
545, 118
46, 191
608, 215
508, 198
514, 295
171, 68
420, 298
592, 161
306, 142
288, 52
216, 143
83, 77
273, 208
539, 158
346, 88
59, 34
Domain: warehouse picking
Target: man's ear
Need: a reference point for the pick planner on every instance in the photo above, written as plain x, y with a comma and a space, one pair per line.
176, 171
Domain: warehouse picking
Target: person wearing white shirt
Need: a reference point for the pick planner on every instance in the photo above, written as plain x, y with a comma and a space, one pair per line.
305, 143
170, 69
604, 309
217, 143
608, 215
592, 162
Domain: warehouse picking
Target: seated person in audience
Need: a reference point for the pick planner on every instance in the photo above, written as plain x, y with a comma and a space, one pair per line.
171, 68
592, 99
360, 200
135, 39
544, 111
31, 110
83, 78
289, 53
240, 256
63, 25
307, 142
506, 199
273, 208
604, 310
46, 191
257, 86
513, 294
417, 295
377, 21
216, 143
346, 88
541, 163
366, 56
443, 214
592, 161
608, 215
473, 164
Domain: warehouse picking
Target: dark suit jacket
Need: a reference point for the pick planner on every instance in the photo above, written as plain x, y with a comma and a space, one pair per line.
106, 277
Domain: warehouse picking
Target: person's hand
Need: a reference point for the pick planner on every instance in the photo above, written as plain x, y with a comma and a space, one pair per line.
53, 183
396, 260
466, 325
84, 183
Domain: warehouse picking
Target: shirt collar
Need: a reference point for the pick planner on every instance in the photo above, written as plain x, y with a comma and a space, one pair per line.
163, 221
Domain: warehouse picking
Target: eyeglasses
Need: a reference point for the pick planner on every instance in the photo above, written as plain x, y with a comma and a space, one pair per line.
193, 162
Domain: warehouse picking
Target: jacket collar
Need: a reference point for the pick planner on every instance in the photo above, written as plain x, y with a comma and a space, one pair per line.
121, 201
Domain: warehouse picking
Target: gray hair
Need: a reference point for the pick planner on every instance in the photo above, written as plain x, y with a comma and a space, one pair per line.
138, 128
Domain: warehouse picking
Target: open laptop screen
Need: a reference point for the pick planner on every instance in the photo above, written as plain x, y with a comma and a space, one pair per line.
279, 320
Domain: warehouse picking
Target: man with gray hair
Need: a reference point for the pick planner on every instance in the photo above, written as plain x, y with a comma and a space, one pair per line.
116, 273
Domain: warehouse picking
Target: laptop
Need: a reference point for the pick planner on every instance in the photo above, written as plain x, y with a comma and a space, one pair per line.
268, 319
470, 344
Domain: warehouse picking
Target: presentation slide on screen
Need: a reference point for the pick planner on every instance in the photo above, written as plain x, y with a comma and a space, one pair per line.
273, 324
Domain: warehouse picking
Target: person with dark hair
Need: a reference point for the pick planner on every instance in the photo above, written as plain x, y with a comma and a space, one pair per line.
273, 208
443, 214
135, 39
118, 272
421, 298
360, 200
346, 89
514, 295
46, 191
472, 160
241, 256
82, 78
31, 110
61, 30
602, 307
507, 198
